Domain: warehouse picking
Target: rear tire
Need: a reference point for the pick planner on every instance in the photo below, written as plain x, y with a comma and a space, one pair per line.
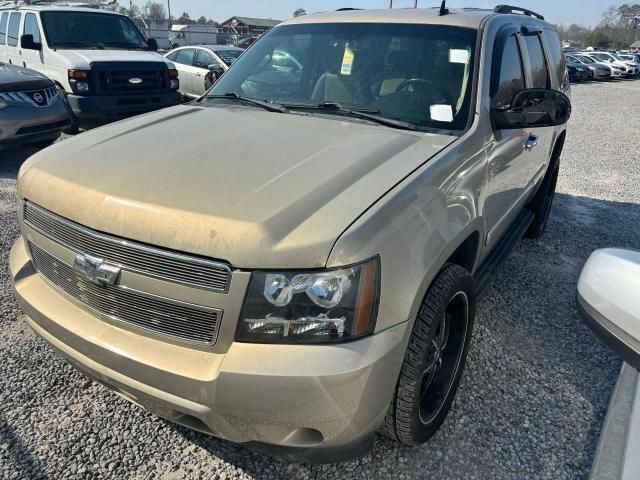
434, 359
543, 200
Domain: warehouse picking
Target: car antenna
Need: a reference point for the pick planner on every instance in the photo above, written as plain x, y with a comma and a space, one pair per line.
443, 9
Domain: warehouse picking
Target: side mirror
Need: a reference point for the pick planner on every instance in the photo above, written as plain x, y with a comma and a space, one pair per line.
216, 69
534, 107
153, 44
27, 42
608, 300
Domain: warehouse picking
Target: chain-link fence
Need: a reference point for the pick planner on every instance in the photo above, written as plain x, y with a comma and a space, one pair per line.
184, 35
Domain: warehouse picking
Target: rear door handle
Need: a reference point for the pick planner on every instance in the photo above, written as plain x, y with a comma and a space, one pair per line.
531, 142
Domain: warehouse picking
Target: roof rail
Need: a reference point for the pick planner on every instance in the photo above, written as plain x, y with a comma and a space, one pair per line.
519, 10
347, 9
22, 3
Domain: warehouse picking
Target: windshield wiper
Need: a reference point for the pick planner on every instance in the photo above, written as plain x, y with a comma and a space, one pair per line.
272, 107
365, 113
74, 44
123, 45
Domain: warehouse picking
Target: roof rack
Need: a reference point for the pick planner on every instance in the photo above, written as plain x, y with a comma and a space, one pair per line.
22, 3
519, 10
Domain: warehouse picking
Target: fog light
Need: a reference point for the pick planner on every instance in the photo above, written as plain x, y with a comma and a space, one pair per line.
82, 87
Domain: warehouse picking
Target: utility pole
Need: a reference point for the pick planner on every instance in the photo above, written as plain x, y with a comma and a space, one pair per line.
390, 3
415, 3
169, 9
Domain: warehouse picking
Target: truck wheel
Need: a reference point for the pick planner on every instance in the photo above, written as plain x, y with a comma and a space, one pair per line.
434, 359
543, 200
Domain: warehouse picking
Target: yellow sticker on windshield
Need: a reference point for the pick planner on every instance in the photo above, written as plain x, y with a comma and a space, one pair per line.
347, 61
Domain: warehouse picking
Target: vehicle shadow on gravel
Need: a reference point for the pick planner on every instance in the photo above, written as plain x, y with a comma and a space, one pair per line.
537, 383
23, 461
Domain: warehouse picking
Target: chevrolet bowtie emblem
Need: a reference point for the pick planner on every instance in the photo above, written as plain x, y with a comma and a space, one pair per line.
96, 270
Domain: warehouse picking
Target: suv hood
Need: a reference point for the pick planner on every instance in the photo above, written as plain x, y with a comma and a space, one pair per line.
239, 184
14, 79
84, 58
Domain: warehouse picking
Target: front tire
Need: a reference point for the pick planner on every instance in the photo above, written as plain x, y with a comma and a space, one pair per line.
434, 359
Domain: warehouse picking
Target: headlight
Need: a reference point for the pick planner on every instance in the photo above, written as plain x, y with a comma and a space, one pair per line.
82, 87
325, 306
174, 82
3, 104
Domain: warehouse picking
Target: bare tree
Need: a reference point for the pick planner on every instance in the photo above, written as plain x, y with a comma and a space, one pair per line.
155, 12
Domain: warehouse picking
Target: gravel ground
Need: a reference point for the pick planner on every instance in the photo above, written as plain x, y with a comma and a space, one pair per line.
531, 402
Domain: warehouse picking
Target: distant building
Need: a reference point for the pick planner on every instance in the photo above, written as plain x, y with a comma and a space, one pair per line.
248, 24
635, 46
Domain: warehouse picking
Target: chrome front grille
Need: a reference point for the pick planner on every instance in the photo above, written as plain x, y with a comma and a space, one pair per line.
170, 318
186, 270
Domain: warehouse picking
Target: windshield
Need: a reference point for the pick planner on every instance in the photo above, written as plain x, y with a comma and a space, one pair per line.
586, 60
420, 74
90, 30
602, 56
229, 56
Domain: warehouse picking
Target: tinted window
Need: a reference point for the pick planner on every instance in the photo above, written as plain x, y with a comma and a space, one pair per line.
185, 57
204, 59
555, 50
172, 56
509, 78
31, 27
14, 29
539, 73
3, 28
421, 74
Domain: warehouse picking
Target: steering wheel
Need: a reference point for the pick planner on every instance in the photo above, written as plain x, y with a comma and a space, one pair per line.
423, 83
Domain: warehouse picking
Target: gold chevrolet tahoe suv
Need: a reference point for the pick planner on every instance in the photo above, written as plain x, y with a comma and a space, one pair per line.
293, 260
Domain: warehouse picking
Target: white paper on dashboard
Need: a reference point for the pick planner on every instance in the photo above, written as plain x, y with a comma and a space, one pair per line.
441, 113
458, 56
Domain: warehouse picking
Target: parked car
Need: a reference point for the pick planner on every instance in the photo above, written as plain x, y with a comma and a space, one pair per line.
577, 72
199, 66
247, 42
32, 111
599, 71
99, 59
302, 268
629, 69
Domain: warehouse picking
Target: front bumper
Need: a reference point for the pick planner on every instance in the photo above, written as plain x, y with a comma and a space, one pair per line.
319, 403
25, 125
113, 107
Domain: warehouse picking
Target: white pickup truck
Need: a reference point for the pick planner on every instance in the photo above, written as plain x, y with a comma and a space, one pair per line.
98, 58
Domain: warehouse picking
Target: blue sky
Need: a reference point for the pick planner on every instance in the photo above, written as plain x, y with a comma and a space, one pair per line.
587, 12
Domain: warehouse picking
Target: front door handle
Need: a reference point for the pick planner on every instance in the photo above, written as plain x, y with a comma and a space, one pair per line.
198, 74
531, 142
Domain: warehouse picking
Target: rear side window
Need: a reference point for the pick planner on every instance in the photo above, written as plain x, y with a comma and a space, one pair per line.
555, 50
539, 72
31, 27
3, 28
185, 57
14, 29
204, 59
509, 78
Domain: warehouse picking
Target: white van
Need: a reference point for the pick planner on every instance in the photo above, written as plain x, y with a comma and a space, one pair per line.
102, 62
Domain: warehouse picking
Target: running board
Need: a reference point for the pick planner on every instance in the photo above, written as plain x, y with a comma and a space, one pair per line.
502, 250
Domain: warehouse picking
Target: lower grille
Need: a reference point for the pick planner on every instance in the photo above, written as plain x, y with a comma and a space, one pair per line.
43, 128
182, 321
